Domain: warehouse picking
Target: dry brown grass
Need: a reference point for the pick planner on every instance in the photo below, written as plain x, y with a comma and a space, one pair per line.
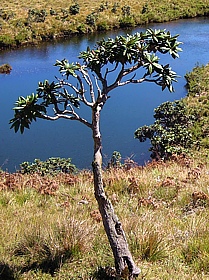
54, 222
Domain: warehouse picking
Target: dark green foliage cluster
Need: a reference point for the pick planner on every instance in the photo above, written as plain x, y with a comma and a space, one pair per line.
126, 10
145, 9
103, 7
171, 131
115, 160
91, 19
127, 19
51, 166
27, 109
129, 49
74, 9
35, 15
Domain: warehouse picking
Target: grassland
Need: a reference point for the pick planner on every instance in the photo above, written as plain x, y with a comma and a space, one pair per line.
23, 21
51, 228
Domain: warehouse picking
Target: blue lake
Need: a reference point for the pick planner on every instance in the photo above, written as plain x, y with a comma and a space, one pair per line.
128, 108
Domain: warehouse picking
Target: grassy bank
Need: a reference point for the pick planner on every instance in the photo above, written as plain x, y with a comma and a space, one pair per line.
51, 228
24, 22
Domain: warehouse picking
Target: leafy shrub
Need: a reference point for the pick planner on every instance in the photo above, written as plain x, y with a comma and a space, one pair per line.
101, 8
74, 9
170, 133
126, 10
91, 19
6, 41
51, 166
198, 94
82, 28
115, 160
35, 15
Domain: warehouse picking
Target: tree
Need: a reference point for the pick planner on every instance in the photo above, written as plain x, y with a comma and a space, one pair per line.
170, 133
116, 60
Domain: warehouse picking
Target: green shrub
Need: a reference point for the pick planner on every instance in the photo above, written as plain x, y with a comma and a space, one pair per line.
81, 29
74, 9
115, 160
126, 10
171, 132
197, 80
91, 19
51, 166
145, 9
52, 12
35, 15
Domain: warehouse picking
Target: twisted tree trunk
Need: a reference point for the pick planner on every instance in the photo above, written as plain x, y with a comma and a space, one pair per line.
112, 225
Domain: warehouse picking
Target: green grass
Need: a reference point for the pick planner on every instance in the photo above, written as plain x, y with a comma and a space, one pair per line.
26, 22
59, 234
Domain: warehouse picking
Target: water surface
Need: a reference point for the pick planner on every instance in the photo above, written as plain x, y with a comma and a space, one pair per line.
129, 107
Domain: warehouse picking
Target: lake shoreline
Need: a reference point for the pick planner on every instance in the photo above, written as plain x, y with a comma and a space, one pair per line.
34, 31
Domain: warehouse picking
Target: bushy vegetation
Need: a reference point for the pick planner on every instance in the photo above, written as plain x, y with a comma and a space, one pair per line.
171, 132
50, 166
27, 21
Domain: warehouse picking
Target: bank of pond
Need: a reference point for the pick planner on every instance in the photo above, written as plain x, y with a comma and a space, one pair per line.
26, 24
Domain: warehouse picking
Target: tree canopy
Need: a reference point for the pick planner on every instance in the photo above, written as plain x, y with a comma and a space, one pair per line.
126, 54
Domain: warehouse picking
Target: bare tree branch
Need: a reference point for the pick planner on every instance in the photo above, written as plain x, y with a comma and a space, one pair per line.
91, 88
98, 87
65, 115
